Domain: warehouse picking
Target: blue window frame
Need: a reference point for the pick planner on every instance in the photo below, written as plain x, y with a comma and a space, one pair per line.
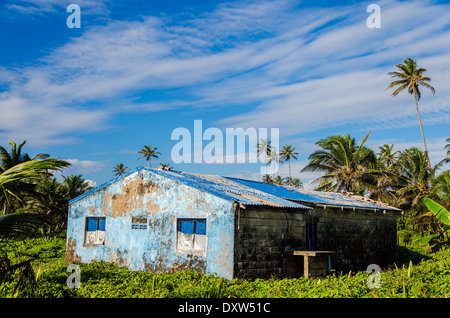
95, 224
95, 231
191, 236
192, 226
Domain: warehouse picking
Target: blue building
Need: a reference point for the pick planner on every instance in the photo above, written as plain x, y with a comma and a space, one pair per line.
166, 221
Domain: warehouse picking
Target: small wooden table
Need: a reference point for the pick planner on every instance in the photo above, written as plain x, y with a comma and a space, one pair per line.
306, 255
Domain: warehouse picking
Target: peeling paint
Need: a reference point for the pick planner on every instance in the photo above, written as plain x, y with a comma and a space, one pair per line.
162, 200
248, 224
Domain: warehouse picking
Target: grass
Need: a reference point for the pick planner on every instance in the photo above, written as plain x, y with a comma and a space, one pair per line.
415, 274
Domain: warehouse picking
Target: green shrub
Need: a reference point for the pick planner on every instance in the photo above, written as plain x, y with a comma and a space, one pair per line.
414, 275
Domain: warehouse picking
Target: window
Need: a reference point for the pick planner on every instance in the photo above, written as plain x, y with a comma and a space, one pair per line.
138, 223
95, 231
191, 235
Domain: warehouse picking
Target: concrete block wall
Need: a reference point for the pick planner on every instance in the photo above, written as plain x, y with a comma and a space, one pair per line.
261, 238
359, 238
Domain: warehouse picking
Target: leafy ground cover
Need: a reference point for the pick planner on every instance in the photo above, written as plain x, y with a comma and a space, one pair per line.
415, 274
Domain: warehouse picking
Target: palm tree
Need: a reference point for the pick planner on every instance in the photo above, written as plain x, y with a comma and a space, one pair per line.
267, 179
26, 172
148, 152
447, 147
410, 77
52, 199
347, 166
51, 202
288, 152
264, 147
414, 185
274, 158
387, 156
9, 159
19, 225
296, 183
278, 180
75, 185
165, 166
415, 178
120, 169
441, 184
15, 156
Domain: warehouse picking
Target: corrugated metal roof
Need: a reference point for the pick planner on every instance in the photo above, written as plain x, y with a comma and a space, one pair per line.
228, 189
216, 185
315, 197
249, 192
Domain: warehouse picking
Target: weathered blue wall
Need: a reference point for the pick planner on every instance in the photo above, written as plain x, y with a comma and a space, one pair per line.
162, 200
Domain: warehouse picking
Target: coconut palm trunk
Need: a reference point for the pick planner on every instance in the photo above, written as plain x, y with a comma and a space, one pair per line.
410, 77
421, 130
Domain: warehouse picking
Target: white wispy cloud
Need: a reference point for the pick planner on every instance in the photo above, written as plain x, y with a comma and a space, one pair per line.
84, 166
303, 68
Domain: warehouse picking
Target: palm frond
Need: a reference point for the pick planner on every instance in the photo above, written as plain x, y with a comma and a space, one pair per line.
20, 224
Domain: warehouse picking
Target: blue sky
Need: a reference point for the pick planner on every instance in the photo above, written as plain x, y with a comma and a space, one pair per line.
137, 70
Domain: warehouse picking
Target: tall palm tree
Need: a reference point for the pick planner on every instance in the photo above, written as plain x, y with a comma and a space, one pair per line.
264, 147
288, 152
148, 153
120, 169
410, 77
347, 166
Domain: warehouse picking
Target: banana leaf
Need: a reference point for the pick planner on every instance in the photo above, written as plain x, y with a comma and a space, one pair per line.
424, 240
438, 210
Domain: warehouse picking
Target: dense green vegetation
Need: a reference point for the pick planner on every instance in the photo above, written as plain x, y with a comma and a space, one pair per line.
415, 274
34, 206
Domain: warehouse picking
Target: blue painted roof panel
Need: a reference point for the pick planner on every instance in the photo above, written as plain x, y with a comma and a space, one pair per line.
315, 197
